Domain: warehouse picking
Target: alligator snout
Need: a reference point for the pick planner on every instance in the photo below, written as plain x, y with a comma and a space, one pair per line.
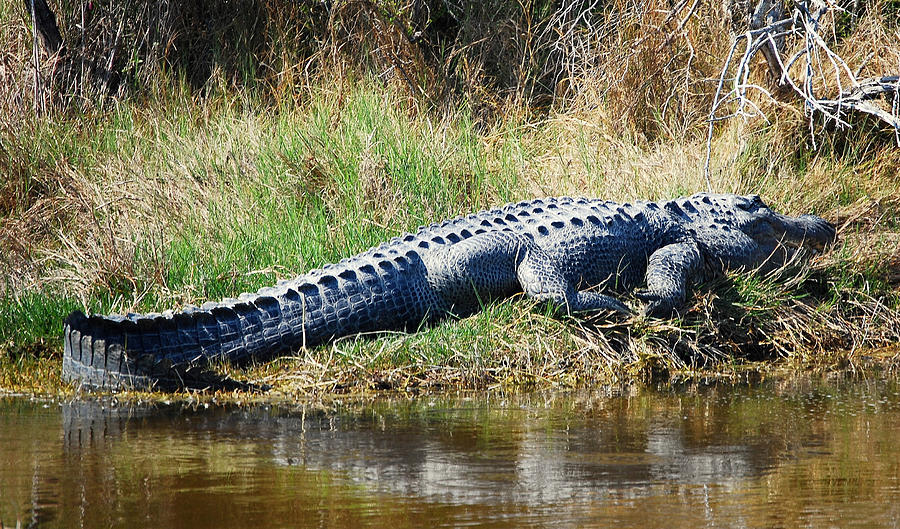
809, 231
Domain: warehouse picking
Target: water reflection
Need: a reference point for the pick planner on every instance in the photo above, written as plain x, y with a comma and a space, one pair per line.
707, 456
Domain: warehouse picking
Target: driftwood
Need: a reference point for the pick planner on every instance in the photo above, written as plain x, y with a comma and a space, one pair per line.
796, 77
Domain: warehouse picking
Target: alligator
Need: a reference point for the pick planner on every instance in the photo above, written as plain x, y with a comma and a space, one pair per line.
572, 254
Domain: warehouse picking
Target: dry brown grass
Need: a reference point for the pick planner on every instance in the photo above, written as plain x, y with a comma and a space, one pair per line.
609, 102
651, 66
653, 72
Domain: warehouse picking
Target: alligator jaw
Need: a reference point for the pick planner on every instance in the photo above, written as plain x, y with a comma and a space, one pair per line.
807, 232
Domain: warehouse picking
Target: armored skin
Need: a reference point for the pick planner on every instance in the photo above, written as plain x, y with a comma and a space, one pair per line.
571, 253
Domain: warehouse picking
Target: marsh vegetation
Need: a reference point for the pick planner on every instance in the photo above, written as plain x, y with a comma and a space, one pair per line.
174, 154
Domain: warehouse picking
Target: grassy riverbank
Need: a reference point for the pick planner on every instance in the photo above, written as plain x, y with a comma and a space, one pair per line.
170, 195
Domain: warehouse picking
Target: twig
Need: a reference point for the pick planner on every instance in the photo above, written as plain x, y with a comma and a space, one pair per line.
712, 113
38, 98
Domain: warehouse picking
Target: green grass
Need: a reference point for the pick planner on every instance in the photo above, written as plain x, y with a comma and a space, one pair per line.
311, 189
155, 204
31, 318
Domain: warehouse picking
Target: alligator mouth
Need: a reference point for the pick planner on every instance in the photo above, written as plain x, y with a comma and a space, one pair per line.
808, 232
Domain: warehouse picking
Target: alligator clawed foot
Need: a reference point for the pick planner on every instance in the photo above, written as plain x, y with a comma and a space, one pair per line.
655, 305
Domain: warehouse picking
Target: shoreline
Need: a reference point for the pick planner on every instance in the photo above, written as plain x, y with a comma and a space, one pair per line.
189, 186
854, 368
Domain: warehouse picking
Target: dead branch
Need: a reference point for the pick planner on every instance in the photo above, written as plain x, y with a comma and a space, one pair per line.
859, 98
813, 68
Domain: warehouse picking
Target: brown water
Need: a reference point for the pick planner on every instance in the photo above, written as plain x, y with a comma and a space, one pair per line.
808, 454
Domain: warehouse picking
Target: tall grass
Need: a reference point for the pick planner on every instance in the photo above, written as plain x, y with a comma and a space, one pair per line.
288, 151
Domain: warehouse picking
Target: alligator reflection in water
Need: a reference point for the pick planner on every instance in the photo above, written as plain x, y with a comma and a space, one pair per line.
467, 454
705, 458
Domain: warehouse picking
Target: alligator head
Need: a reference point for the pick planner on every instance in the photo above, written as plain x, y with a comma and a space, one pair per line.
778, 237
770, 229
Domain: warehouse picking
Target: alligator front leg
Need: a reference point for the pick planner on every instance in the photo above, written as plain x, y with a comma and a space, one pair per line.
542, 279
670, 272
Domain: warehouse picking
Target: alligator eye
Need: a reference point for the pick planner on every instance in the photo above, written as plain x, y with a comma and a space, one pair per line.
750, 202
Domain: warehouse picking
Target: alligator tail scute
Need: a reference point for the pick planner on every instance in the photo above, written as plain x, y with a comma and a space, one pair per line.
161, 350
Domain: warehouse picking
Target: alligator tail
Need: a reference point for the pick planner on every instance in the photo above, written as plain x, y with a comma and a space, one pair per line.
169, 350
173, 350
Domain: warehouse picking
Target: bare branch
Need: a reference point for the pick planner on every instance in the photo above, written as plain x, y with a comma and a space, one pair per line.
822, 70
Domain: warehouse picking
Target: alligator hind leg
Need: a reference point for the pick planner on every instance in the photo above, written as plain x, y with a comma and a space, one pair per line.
541, 279
496, 265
